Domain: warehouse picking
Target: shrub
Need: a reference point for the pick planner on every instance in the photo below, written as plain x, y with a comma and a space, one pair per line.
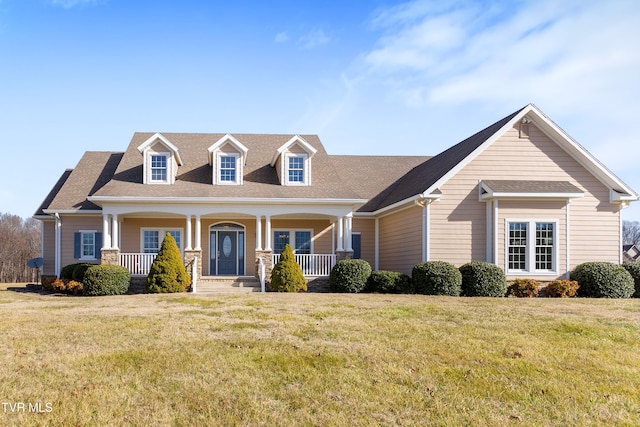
64, 286
523, 288
562, 289
388, 282
349, 275
603, 280
287, 275
167, 273
46, 282
66, 272
106, 280
481, 279
634, 270
437, 278
79, 270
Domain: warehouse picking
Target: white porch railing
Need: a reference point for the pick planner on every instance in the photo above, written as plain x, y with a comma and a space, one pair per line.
312, 264
137, 264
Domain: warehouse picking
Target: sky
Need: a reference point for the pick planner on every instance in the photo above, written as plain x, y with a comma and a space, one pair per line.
378, 77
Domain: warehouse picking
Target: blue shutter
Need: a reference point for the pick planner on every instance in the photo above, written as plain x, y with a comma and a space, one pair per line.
77, 245
97, 245
356, 245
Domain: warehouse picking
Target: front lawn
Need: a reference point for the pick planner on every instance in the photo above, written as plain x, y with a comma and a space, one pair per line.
317, 359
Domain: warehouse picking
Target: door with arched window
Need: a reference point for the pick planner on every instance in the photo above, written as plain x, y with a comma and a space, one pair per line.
226, 249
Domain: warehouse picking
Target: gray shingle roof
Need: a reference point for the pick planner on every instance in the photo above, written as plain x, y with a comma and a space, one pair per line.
525, 186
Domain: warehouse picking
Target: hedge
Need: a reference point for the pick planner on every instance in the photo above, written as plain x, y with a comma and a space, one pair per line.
389, 282
482, 279
349, 275
603, 280
634, 269
523, 288
106, 280
437, 278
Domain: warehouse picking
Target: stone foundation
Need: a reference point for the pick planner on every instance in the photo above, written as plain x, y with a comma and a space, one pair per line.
189, 256
342, 255
267, 259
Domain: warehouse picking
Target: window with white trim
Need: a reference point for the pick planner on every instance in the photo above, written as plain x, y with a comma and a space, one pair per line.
158, 167
151, 239
228, 169
532, 246
299, 240
88, 245
296, 169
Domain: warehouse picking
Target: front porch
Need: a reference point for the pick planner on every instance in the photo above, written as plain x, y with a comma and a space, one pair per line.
217, 246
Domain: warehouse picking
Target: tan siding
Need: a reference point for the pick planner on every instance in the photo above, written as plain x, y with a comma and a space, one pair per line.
366, 228
49, 248
131, 239
458, 220
401, 240
70, 225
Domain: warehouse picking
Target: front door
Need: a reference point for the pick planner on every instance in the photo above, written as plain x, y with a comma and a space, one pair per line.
226, 244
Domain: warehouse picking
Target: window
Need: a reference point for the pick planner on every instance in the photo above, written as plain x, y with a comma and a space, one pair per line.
152, 239
296, 169
87, 244
531, 246
227, 168
158, 168
299, 240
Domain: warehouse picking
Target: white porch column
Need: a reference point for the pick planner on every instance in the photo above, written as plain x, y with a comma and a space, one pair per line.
267, 233
106, 236
340, 237
198, 233
348, 232
258, 232
376, 261
58, 232
114, 232
495, 233
188, 233
489, 236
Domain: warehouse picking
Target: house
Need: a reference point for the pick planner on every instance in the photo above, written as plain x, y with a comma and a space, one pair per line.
520, 193
630, 253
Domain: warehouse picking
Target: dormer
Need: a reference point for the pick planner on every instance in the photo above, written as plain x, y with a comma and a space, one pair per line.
227, 157
293, 162
160, 160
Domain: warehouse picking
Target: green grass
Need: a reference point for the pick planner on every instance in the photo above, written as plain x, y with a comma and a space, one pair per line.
313, 359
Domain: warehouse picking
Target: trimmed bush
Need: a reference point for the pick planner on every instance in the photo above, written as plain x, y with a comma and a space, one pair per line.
106, 280
66, 272
603, 280
167, 273
287, 275
79, 270
634, 270
481, 279
562, 289
523, 288
437, 278
388, 282
349, 275
63, 286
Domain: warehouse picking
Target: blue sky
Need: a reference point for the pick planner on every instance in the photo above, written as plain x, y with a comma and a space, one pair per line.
376, 77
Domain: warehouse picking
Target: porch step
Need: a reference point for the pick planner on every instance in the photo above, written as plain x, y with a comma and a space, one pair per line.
231, 284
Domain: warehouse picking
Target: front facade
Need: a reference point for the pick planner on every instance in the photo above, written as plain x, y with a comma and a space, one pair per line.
520, 193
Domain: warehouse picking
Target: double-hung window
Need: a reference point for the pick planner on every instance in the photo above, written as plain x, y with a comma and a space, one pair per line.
87, 244
299, 240
152, 239
296, 170
227, 169
158, 168
532, 246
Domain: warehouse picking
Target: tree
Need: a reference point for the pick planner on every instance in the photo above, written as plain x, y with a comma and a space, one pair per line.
631, 233
287, 275
167, 273
19, 242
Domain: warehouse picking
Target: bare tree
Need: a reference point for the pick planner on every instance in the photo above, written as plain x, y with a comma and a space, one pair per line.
19, 242
631, 233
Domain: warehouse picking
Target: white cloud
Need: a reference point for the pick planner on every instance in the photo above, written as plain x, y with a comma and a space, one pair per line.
313, 39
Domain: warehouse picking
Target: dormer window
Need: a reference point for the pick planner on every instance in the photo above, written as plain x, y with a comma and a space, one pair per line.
159, 167
293, 162
296, 169
161, 160
227, 156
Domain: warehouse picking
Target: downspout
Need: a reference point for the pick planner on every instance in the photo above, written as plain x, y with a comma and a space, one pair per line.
426, 232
